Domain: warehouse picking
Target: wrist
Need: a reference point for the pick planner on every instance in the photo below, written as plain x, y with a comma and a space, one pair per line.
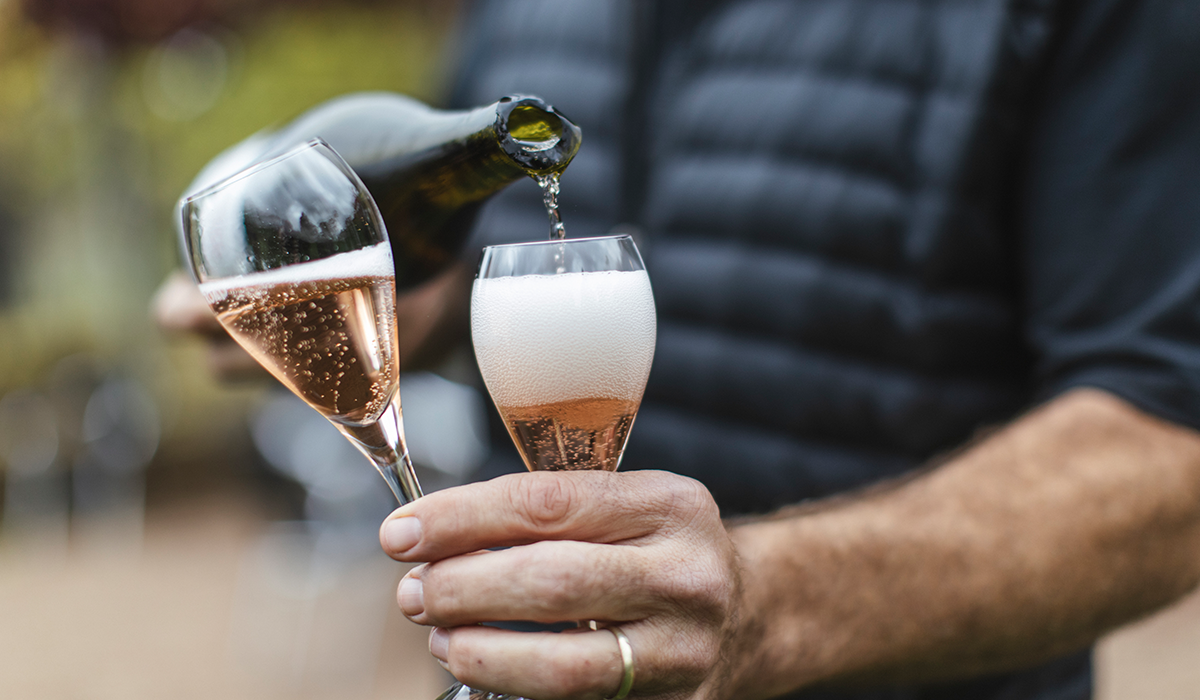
775, 642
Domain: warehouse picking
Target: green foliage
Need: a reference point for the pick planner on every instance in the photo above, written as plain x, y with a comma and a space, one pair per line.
91, 162
290, 61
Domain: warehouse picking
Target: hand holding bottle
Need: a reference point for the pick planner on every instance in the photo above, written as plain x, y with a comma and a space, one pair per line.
179, 308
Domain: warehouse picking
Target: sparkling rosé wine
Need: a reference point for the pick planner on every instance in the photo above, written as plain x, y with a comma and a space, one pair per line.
578, 434
565, 357
324, 328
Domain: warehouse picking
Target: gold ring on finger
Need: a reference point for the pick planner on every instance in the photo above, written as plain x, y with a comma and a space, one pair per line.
626, 663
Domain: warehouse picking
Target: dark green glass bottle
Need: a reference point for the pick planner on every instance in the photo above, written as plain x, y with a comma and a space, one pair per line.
428, 170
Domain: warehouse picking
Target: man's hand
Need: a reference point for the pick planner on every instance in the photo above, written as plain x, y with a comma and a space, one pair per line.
178, 307
645, 551
1075, 518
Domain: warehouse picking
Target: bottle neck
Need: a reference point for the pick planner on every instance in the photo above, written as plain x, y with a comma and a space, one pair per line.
455, 159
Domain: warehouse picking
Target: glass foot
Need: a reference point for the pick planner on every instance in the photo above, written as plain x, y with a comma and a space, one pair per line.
458, 691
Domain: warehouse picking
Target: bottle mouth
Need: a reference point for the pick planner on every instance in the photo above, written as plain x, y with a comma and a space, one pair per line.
533, 129
535, 135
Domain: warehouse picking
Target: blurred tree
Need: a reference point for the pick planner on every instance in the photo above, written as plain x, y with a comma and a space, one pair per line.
107, 110
148, 21
8, 231
126, 21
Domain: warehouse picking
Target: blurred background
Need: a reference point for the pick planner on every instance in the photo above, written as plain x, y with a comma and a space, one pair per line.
165, 535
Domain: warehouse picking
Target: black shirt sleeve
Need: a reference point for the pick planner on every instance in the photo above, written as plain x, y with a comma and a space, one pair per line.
1110, 208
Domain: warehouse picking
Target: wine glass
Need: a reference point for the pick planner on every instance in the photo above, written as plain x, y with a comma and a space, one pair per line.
293, 257
564, 334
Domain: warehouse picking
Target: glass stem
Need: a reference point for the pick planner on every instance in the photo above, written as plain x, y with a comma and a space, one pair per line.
383, 443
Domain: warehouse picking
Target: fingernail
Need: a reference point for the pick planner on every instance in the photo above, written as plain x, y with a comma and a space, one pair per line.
439, 645
402, 534
412, 596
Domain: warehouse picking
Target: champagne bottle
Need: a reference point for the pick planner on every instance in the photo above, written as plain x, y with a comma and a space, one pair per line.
428, 170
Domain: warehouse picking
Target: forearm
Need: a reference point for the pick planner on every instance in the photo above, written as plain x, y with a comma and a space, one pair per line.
434, 317
1075, 518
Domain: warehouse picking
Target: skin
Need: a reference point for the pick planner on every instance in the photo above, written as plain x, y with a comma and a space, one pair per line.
179, 308
1075, 518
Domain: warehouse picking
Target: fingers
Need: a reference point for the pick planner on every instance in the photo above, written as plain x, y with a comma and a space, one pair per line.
644, 550
178, 306
543, 582
229, 362
595, 506
583, 664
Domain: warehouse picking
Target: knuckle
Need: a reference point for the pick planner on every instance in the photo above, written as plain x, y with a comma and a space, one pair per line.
701, 588
683, 501
708, 592
440, 598
696, 658
544, 500
695, 499
467, 658
559, 578
465, 663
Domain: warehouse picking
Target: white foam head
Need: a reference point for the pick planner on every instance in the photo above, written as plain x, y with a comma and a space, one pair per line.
548, 338
372, 261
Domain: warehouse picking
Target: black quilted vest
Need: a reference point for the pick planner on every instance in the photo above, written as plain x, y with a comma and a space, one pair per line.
821, 190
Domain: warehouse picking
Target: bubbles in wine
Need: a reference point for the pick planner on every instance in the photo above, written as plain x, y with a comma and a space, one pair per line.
326, 328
